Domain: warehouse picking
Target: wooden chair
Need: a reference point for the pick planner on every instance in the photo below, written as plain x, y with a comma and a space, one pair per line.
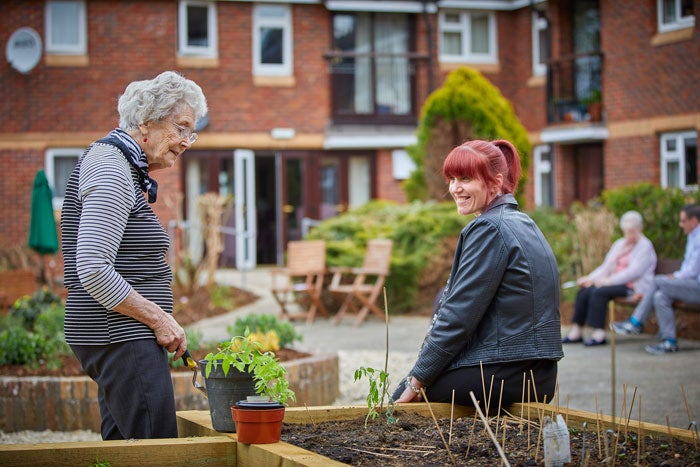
362, 286
301, 282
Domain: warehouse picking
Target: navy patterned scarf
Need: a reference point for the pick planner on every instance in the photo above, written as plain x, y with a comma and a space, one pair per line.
136, 157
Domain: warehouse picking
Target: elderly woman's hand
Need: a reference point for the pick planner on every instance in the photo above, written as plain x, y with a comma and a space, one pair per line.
170, 335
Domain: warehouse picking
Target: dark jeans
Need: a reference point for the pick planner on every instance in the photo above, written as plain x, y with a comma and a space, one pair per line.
135, 390
592, 304
511, 375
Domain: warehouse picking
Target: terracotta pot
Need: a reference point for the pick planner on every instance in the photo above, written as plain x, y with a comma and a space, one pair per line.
258, 422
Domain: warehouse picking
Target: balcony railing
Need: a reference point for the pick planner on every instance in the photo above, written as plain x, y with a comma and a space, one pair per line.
574, 88
374, 88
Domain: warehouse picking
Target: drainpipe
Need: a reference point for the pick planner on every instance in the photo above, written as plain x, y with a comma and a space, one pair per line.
429, 37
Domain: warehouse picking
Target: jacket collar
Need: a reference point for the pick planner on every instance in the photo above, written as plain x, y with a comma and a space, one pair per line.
500, 201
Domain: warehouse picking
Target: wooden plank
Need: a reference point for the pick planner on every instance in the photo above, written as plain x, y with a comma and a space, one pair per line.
575, 418
209, 451
333, 412
282, 455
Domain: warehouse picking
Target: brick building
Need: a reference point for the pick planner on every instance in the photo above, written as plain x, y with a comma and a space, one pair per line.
312, 102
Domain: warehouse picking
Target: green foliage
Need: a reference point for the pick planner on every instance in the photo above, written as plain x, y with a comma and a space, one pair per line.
33, 332
560, 234
220, 297
245, 356
378, 393
263, 323
28, 307
660, 209
19, 346
473, 108
418, 231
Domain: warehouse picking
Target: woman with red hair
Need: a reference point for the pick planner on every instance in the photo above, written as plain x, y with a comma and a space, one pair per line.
498, 319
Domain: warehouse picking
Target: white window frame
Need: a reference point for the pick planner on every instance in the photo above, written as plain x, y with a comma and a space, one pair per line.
464, 28
681, 22
49, 161
79, 48
678, 156
212, 49
541, 168
285, 23
539, 24
402, 165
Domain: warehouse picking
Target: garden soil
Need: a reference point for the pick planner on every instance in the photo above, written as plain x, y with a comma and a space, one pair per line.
416, 440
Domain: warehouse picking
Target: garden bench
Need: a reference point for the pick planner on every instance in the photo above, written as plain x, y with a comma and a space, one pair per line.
663, 266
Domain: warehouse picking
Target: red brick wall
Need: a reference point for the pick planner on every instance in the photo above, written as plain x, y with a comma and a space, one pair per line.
387, 187
642, 80
632, 160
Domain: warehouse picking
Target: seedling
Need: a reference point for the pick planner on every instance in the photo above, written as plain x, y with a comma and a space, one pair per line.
378, 382
378, 392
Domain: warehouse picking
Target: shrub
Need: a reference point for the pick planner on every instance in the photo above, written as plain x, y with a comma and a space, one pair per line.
262, 324
419, 231
18, 346
659, 207
467, 106
28, 308
33, 331
560, 234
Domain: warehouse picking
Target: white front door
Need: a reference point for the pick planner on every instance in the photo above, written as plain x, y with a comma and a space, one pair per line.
244, 208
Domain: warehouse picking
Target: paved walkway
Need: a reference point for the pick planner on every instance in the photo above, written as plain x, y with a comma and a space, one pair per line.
585, 374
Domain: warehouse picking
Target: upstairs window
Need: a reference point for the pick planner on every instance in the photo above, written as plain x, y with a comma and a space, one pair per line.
679, 160
468, 37
66, 27
540, 44
675, 14
197, 30
272, 40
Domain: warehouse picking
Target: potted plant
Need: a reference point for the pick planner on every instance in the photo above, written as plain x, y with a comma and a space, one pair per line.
594, 105
247, 390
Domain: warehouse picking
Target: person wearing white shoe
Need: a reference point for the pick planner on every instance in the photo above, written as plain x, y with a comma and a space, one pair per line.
628, 268
683, 285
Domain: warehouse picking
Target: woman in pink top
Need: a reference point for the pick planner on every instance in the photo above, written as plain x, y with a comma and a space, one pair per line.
628, 269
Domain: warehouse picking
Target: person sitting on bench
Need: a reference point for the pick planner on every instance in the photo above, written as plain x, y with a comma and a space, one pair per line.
628, 269
683, 285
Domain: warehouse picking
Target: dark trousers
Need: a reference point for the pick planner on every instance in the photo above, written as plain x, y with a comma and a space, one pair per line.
510, 375
592, 304
135, 390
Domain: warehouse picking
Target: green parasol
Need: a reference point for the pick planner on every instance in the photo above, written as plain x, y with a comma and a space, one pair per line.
42, 225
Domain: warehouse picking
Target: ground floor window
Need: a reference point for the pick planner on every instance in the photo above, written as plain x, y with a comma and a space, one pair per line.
59, 165
679, 159
544, 176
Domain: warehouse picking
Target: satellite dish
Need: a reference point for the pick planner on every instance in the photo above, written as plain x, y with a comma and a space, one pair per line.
23, 49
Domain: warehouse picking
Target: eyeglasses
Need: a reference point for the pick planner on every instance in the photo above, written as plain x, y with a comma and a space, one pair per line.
184, 132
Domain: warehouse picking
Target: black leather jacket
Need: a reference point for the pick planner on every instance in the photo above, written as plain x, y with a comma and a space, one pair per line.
501, 302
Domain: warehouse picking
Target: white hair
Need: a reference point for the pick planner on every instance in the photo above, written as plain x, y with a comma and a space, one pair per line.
631, 220
153, 99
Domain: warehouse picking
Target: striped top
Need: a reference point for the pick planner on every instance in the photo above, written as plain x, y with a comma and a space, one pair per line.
112, 242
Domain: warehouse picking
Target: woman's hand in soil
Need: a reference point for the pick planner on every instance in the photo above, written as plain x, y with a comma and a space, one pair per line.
409, 394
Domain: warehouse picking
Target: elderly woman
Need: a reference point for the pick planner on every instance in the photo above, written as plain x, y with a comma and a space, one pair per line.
119, 319
628, 269
499, 313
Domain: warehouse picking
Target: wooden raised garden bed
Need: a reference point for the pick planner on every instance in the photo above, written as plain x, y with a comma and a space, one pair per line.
200, 444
